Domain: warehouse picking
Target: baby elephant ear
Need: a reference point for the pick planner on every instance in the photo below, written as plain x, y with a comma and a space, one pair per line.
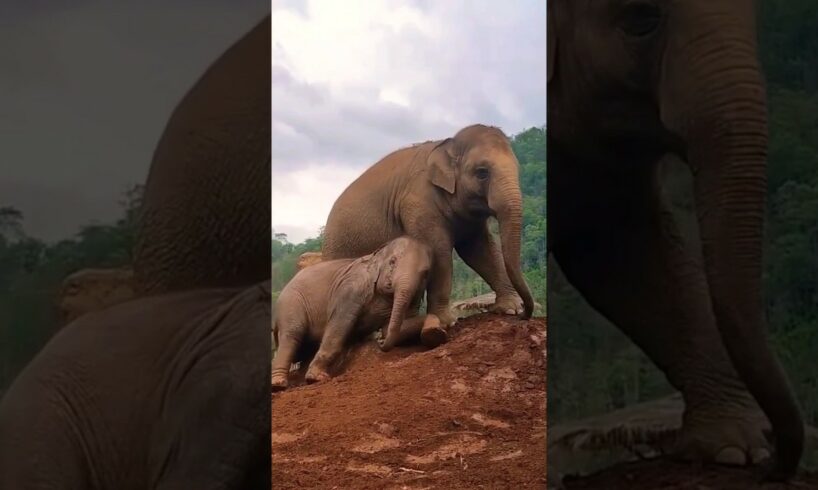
441, 166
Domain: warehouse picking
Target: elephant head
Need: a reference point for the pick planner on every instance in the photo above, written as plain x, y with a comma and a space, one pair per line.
478, 171
683, 77
400, 268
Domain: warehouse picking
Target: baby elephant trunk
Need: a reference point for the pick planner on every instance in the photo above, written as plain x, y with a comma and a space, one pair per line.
404, 293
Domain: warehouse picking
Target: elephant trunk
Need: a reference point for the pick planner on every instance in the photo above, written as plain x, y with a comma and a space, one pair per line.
714, 100
405, 290
507, 202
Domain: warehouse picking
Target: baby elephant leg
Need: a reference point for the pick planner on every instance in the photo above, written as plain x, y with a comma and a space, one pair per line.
290, 333
335, 335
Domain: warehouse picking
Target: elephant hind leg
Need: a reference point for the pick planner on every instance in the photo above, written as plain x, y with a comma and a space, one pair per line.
290, 336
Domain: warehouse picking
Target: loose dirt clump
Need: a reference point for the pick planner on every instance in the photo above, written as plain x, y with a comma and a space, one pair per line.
670, 475
469, 414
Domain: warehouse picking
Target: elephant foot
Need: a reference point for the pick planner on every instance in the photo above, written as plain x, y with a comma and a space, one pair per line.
507, 304
433, 334
279, 382
729, 433
445, 317
316, 375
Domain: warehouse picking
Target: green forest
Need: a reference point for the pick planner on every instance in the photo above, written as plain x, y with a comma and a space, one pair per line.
593, 368
529, 147
31, 272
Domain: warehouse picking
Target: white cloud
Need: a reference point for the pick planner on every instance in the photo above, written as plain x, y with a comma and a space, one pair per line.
355, 80
302, 200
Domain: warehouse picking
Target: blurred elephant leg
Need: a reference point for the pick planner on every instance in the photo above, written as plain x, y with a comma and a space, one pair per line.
623, 253
480, 252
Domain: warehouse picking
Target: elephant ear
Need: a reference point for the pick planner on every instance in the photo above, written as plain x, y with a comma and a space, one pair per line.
551, 41
441, 166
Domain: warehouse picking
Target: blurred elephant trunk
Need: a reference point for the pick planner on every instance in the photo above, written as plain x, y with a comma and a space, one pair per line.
507, 202
721, 114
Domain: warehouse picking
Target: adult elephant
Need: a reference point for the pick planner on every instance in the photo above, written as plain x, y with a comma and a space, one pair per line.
206, 208
628, 83
442, 194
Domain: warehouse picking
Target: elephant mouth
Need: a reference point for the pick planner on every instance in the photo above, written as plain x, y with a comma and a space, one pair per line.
478, 208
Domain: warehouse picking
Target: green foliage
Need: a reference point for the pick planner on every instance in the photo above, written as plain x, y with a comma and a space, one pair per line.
285, 257
31, 272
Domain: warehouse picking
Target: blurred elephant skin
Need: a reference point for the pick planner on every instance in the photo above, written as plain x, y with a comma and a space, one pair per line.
166, 392
206, 207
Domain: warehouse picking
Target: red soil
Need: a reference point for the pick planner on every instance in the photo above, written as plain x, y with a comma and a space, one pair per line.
469, 414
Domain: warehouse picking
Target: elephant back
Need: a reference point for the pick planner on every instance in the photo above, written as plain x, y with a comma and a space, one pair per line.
206, 208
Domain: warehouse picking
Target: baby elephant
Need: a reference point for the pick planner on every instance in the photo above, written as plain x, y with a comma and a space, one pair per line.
331, 301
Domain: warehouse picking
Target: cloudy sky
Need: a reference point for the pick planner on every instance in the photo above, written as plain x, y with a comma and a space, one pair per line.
86, 87
354, 80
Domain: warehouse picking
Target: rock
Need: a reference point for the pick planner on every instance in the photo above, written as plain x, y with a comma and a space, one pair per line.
307, 259
479, 303
388, 430
90, 290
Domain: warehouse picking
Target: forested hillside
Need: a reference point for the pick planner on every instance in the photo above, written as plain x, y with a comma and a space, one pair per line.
529, 147
31, 272
593, 368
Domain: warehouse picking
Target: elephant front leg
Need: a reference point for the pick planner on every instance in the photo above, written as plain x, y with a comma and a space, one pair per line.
338, 329
480, 252
439, 288
630, 264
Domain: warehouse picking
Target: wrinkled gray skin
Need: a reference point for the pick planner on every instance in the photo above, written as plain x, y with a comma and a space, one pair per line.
331, 301
166, 392
207, 196
630, 81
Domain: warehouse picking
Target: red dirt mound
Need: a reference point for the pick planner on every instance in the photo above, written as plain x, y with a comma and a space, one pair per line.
670, 475
469, 414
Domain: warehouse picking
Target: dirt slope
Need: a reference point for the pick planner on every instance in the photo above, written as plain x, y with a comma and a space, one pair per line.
469, 414
669, 475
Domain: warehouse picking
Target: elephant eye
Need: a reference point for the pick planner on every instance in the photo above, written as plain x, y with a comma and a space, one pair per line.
640, 18
482, 173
